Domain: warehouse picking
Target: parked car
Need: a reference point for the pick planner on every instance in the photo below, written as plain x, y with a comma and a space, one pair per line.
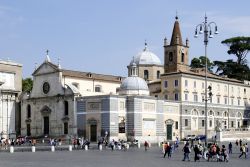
189, 137
200, 137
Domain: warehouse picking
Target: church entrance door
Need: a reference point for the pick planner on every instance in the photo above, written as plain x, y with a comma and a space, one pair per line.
46, 125
93, 131
169, 132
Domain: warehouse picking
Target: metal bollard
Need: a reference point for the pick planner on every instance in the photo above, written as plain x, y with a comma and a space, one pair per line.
11, 149
52, 148
127, 146
70, 147
33, 149
139, 144
159, 144
100, 147
86, 147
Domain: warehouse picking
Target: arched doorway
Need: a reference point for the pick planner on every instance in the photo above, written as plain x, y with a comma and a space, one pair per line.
45, 111
169, 128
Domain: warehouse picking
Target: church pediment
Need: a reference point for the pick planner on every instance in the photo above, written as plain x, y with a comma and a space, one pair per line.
45, 110
46, 68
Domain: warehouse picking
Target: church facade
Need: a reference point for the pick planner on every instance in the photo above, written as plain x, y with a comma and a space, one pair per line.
49, 109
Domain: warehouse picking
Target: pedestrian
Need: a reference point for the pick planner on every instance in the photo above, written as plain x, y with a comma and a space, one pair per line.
230, 148
237, 143
146, 145
243, 151
240, 142
196, 153
112, 144
186, 151
170, 149
224, 153
246, 147
165, 149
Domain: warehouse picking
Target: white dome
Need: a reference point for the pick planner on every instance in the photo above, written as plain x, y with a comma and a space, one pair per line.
134, 85
146, 57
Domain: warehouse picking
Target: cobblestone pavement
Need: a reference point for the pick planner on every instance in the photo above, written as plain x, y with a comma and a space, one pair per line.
133, 157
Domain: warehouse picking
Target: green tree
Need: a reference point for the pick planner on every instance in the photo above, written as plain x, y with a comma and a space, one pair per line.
200, 63
27, 84
238, 46
232, 69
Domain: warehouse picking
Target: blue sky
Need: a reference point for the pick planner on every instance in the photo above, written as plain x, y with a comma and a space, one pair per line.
103, 36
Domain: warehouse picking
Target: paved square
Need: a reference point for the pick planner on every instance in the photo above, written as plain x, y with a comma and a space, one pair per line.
134, 157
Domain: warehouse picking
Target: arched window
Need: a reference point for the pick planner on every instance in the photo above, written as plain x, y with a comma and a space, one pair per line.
170, 56
158, 74
146, 74
66, 108
28, 111
182, 57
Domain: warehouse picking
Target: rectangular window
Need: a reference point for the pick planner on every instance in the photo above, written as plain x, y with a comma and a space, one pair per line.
165, 84
194, 84
186, 97
176, 125
210, 123
238, 102
186, 83
176, 96
176, 83
225, 100
186, 122
97, 88
203, 123
195, 98
232, 101
218, 100
65, 128
203, 85
211, 99
232, 124
203, 98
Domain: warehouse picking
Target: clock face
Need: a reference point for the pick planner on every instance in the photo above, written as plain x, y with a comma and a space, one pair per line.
46, 87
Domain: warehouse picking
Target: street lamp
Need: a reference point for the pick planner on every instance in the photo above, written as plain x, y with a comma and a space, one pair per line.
206, 28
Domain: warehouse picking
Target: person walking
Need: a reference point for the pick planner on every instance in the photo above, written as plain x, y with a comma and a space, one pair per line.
165, 149
146, 145
186, 151
196, 153
170, 149
243, 151
230, 148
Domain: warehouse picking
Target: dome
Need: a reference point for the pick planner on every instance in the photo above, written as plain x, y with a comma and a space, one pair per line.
134, 86
146, 57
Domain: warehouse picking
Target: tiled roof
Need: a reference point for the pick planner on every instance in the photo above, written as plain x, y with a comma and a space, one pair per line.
89, 75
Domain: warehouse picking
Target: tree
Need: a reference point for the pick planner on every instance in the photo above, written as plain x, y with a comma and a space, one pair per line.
239, 46
27, 84
200, 63
232, 69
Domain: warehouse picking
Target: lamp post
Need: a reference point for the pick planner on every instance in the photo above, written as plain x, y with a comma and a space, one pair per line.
208, 33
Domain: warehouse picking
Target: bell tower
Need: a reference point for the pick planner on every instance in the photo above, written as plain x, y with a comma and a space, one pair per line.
175, 53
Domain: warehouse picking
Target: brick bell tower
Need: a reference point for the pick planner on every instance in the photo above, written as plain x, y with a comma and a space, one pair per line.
175, 53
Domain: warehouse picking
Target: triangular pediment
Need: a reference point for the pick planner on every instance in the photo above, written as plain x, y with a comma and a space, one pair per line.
46, 68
